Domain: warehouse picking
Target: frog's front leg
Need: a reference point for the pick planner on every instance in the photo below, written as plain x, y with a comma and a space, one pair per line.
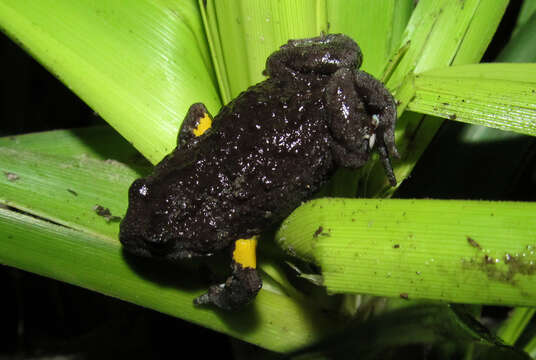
244, 283
362, 118
196, 123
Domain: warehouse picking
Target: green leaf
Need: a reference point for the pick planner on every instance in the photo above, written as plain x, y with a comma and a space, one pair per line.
528, 9
476, 252
440, 33
517, 321
444, 32
501, 96
78, 246
244, 33
274, 322
139, 66
65, 190
377, 26
530, 348
98, 142
384, 336
522, 46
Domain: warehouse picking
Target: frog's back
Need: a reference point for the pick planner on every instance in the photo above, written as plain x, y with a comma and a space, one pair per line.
272, 145
268, 150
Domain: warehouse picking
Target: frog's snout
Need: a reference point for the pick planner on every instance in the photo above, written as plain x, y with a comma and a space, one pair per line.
158, 243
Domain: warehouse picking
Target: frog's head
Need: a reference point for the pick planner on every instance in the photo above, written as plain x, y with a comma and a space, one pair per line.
168, 220
137, 231
322, 55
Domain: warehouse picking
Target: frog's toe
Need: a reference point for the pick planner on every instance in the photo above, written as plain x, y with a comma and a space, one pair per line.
384, 157
238, 290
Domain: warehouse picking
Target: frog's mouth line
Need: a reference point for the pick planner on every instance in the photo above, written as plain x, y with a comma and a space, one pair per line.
139, 246
134, 245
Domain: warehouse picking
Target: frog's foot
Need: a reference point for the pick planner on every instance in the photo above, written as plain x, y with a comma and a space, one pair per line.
242, 286
238, 290
382, 108
362, 119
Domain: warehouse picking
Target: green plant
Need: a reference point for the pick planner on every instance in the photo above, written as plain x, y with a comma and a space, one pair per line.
141, 66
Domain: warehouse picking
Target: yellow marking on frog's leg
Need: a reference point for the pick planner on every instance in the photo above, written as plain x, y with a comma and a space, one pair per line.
244, 252
204, 124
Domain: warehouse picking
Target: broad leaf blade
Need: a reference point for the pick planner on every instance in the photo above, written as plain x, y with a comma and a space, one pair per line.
274, 322
377, 26
501, 96
477, 252
139, 66
247, 32
99, 142
65, 190
444, 32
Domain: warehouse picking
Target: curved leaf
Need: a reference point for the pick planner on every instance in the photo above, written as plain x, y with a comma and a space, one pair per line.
139, 66
476, 252
501, 96
274, 322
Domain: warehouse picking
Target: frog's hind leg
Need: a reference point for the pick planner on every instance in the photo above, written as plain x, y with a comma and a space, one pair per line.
196, 123
244, 283
382, 107
322, 54
362, 119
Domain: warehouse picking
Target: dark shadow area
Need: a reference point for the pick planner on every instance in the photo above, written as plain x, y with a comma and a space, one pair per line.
188, 275
109, 144
454, 167
32, 99
42, 317
506, 26
195, 275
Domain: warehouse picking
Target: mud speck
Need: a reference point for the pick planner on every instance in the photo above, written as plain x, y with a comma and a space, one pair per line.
291, 251
473, 243
106, 213
318, 231
404, 296
72, 192
396, 246
11, 176
503, 268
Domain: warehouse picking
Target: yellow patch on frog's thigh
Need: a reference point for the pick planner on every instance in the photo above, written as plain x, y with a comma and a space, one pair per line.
245, 252
203, 125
